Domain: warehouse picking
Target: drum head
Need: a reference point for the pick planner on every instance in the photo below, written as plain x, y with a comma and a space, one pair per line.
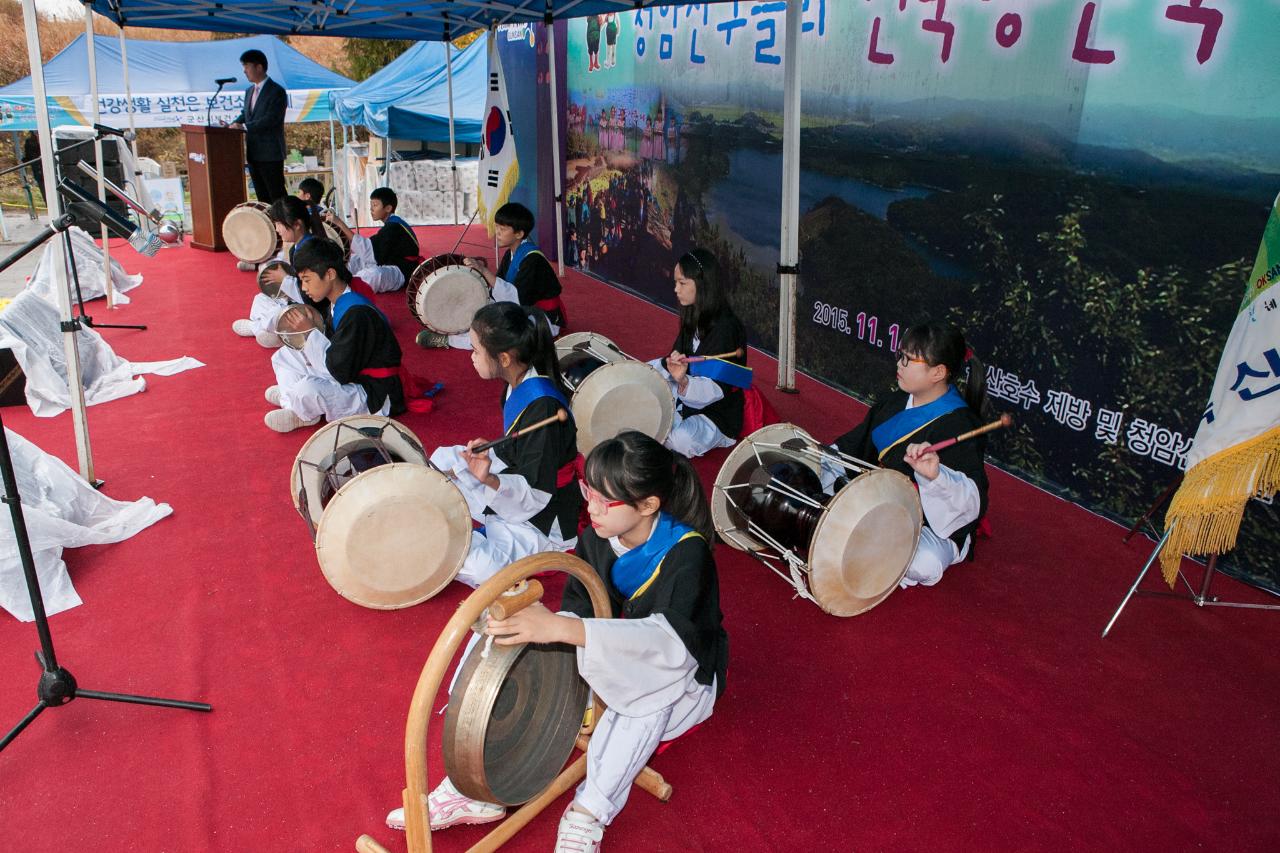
311, 481
620, 396
338, 237
864, 542
512, 720
393, 536
762, 447
249, 234
449, 298
589, 344
290, 333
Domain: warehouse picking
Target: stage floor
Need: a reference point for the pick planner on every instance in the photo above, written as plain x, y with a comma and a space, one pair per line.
981, 714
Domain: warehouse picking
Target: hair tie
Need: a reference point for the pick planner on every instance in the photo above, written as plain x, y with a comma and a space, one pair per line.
968, 353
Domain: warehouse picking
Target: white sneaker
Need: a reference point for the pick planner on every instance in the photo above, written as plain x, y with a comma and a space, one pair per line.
245, 266
283, 420
579, 832
447, 807
270, 340
243, 328
273, 396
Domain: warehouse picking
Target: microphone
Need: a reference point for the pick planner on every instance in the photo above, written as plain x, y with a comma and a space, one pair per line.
85, 206
104, 130
222, 81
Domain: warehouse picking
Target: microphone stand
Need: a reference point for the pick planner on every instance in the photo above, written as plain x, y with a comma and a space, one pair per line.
208, 115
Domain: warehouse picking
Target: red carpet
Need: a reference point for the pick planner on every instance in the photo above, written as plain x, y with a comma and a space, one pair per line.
982, 714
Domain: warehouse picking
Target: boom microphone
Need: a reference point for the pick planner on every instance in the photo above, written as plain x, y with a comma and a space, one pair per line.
104, 130
84, 205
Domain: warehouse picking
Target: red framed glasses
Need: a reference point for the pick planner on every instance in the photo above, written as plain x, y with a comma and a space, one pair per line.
591, 496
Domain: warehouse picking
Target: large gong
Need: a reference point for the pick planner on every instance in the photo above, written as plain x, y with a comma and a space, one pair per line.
514, 714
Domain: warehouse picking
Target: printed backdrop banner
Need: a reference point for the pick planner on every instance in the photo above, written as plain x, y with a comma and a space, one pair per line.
155, 109
1080, 186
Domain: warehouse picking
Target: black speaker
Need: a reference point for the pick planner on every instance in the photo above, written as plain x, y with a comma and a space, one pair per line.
112, 169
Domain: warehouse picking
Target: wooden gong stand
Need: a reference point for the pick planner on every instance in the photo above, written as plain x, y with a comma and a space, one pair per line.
417, 829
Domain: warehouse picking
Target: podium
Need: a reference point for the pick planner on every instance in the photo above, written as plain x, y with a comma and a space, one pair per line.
215, 176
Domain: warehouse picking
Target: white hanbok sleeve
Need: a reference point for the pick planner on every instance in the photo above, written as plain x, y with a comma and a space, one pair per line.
637, 666
950, 500
699, 393
504, 291
514, 499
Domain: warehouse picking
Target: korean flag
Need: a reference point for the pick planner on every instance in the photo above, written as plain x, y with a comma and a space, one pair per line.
499, 169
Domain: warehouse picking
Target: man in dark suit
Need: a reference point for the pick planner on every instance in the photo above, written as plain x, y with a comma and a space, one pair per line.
263, 121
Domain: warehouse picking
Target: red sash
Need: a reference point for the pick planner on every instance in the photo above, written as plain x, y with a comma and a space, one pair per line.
360, 286
757, 412
555, 304
413, 399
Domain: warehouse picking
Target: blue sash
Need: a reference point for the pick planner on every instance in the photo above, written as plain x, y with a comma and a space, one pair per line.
909, 421
294, 248
350, 299
722, 371
636, 570
526, 248
533, 388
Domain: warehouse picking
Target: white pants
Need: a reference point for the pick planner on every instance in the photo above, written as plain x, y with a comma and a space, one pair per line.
265, 311
933, 555
382, 279
308, 389
501, 544
695, 436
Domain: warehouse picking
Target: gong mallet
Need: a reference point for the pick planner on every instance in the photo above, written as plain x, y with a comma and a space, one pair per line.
1006, 420
559, 416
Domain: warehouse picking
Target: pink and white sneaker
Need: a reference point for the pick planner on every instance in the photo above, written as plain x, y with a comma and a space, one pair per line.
447, 807
579, 832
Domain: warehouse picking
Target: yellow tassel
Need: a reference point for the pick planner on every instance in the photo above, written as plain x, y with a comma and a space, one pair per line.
1205, 513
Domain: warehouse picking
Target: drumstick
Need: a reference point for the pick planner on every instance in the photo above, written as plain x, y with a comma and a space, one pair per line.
1006, 420
560, 415
689, 359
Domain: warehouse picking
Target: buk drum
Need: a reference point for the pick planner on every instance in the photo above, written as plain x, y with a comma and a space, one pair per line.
444, 294
845, 553
249, 233
390, 530
340, 237
271, 288
612, 392
296, 322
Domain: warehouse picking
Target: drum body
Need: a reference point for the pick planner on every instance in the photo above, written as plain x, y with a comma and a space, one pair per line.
340, 237
294, 334
390, 531
611, 391
848, 552
249, 233
444, 294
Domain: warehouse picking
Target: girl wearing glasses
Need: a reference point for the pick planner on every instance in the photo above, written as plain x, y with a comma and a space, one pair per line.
522, 491
709, 394
927, 408
659, 668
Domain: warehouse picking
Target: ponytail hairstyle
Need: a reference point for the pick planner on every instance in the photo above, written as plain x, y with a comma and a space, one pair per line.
944, 344
525, 332
710, 297
632, 466
290, 210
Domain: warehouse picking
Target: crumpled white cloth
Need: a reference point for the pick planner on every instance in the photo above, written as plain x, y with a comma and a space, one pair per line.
88, 268
61, 511
30, 326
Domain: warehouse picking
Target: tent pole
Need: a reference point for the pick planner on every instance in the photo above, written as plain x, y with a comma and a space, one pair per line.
556, 161
128, 96
453, 153
333, 154
343, 198
108, 285
75, 384
789, 248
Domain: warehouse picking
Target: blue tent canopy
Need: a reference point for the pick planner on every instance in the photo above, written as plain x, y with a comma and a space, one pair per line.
171, 82
420, 20
409, 99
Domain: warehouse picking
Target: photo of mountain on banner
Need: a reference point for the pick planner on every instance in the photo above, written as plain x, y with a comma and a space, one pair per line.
499, 168
1083, 200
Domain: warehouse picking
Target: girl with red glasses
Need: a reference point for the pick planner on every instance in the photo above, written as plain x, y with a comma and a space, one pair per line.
659, 668
942, 393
